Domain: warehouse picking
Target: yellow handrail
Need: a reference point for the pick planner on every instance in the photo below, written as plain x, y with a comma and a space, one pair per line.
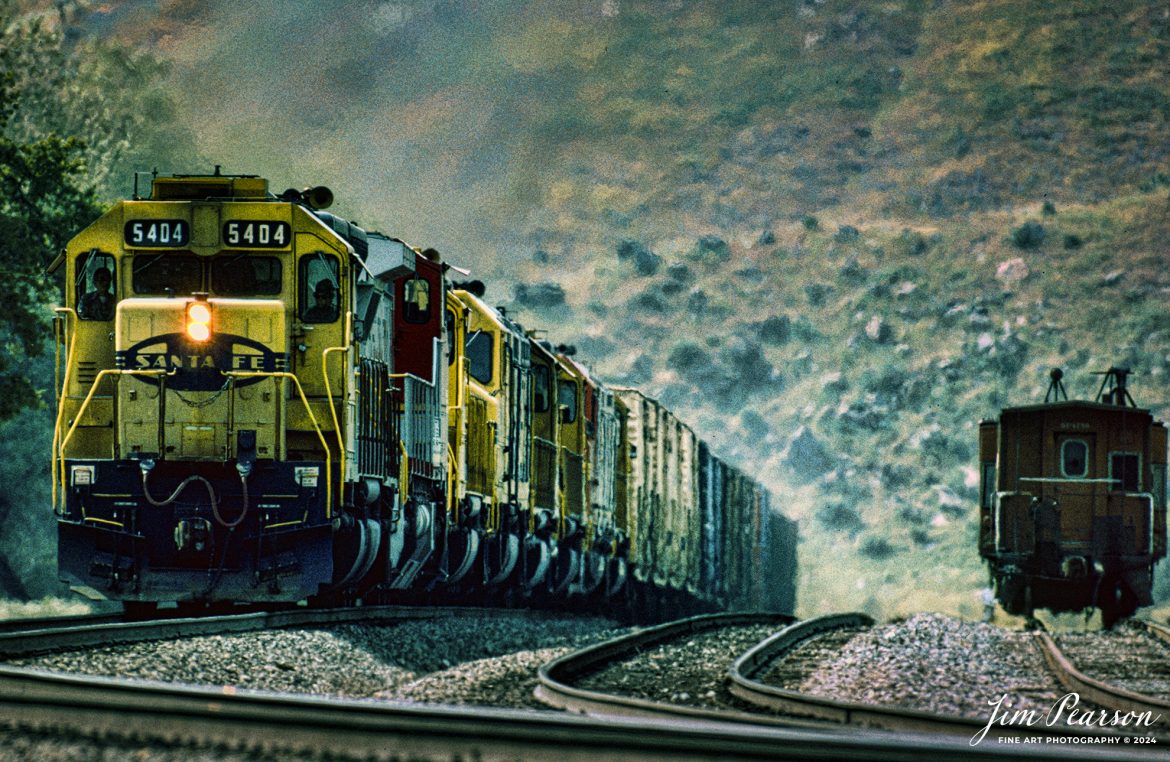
329, 392
64, 442
57, 462
312, 418
403, 472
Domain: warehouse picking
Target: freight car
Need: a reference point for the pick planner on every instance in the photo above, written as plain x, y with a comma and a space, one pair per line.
262, 402
1073, 502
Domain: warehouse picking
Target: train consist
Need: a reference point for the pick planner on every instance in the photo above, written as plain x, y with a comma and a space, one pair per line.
261, 402
1073, 502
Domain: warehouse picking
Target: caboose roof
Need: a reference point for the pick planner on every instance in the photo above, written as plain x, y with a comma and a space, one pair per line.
1074, 405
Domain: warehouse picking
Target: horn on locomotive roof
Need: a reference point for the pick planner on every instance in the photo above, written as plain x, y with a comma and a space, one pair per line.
1113, 390
1056, 390
317, 198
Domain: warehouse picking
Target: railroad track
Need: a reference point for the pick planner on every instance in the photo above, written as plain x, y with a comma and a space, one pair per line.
558, 681
560, 685
1128, 672
215, 720
289, 726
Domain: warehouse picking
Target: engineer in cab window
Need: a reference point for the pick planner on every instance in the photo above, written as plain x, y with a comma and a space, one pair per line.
98, 303
323, 309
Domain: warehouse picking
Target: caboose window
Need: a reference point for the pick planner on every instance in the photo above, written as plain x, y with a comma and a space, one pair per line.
1074, 458
242, 275
1125, 471
167, 274
478, 348
97, 289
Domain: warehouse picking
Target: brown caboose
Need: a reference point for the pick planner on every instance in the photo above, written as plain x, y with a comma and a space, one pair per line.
1073, 502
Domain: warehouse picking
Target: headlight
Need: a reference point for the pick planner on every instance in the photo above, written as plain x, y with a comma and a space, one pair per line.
199, 321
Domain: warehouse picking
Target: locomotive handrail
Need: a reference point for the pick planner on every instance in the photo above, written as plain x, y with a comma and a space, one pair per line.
312, 418
60, 452
329, 394
67, 312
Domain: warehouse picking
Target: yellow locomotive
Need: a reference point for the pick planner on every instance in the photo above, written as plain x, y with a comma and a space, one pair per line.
261, 402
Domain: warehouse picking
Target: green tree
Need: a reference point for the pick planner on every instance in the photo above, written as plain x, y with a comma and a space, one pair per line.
43, 201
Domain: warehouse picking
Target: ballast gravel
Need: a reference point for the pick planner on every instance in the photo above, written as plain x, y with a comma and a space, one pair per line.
472, 659
937, 663
690, 672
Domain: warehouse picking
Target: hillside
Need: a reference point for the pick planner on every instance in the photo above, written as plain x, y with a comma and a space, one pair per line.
834, 235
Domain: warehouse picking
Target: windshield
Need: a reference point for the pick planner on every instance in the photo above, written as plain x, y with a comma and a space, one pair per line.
243, 275
165, 274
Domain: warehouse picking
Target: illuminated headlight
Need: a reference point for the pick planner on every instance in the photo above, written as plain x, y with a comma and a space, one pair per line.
82, 476
199, 321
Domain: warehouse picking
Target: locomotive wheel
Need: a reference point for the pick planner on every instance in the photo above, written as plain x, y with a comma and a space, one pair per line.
462, 549
565, 570
500, 554
538, 557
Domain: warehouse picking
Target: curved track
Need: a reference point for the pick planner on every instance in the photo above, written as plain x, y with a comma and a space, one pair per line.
931, 733
1111, 685
556, 680
220, 719
291, 726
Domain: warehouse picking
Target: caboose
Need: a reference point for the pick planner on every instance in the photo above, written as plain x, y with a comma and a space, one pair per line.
1073, 502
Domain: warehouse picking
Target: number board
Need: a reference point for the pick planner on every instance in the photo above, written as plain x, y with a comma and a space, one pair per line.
262, 234
157, 233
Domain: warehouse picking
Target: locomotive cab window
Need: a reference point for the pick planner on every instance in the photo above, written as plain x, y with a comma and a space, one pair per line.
540, 388
317, 289
97, 291
567, 397
1074, 458
450, 338
478, 348
416, 301
1125, 471
167, 274
243, 275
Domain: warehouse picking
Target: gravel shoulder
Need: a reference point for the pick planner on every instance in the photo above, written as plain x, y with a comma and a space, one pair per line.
490, 661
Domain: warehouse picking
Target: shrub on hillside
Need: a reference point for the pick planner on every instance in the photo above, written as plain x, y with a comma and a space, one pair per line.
646, 262
877, 548
846, 234
1029, 235
776, 329
839, 517
911, 243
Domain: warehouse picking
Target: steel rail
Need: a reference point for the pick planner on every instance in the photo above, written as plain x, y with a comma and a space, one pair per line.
743, 685
1098, 691
46, 639
286, 725
25, 624
555, 679
104, 708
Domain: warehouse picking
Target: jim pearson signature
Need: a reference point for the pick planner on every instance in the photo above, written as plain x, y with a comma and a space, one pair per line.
1063, 712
